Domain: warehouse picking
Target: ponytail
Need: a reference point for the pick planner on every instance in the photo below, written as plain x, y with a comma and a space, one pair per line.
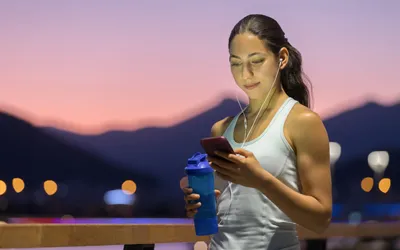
294, 81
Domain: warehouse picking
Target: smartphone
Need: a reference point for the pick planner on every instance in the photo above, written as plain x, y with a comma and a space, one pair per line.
219, 143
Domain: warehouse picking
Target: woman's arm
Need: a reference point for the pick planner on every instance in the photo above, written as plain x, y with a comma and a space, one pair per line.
312, 207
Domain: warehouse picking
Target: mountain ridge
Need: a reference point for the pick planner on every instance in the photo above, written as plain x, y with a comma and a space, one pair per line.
370, 112
362, 122
162, 152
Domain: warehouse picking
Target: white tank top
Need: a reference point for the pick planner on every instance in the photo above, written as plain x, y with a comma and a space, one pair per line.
253, 222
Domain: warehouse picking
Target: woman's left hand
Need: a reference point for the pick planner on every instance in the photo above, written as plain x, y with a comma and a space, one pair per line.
243, 169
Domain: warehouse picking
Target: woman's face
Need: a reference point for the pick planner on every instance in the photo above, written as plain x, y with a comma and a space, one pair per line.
253, 66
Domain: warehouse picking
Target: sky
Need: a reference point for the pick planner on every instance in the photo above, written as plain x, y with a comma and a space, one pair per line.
88, 66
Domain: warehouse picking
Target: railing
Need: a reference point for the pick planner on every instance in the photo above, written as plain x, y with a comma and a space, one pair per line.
144, 236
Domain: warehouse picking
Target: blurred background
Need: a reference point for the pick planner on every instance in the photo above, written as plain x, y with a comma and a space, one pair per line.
103, 102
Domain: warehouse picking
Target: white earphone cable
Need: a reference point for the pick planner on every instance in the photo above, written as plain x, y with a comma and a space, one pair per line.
247, 136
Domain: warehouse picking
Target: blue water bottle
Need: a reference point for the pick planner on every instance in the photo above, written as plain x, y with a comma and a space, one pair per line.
201, 180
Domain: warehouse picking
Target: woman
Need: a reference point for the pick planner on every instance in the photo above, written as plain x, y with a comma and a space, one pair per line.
280, 175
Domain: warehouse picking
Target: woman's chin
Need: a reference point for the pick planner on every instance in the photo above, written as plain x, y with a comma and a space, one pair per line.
254, 94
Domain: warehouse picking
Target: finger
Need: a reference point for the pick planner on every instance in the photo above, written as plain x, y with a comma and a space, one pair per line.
217, 159
224, 163
217, 167
211, 158
232, 158
224, 172
237, 159
225, 177
223, 156
227, 169
189, 206
191, 213
192, 197
217, 193
187, 190
183, 182
243, 152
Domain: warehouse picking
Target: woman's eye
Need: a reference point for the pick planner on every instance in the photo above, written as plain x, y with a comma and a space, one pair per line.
257, 61
234, 64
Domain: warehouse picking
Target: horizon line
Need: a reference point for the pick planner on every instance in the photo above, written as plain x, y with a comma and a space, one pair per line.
160, 122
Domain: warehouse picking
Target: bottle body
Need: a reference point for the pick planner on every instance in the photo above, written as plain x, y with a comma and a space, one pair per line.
201, 180
205, 220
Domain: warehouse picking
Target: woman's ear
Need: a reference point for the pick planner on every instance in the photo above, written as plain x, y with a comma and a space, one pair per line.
283, 57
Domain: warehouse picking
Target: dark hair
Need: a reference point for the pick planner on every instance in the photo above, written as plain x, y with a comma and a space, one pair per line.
293, 79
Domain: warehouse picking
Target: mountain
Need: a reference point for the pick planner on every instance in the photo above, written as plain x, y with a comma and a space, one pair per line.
367, 128
161, 153
165, 149
30, 153
359, 131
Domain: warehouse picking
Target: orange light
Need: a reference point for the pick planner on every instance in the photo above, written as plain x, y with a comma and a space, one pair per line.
18, 185
50, 187
3, 187
384, 185
129, 187
367, 183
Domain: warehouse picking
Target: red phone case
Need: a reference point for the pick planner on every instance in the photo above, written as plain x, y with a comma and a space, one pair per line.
218, 143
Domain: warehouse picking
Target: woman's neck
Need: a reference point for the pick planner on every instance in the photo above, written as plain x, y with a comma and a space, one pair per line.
273, 100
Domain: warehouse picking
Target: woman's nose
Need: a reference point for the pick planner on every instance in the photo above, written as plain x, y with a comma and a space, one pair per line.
247, 73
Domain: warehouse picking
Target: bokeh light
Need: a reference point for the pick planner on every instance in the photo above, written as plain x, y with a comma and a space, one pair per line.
384, 185
18, 185
355, 218
3, 187
378, 161
367, 184
129, 187
335, 150
50, 187
118, 197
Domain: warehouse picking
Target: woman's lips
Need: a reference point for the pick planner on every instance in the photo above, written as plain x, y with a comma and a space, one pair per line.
252, 85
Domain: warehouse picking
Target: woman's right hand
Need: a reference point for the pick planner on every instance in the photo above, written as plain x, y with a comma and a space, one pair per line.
191, 198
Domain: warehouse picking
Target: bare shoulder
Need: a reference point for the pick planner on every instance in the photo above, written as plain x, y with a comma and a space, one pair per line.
220, 126
303, 116
304, 124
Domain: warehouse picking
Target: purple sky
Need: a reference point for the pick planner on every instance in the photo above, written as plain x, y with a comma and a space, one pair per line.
86, 65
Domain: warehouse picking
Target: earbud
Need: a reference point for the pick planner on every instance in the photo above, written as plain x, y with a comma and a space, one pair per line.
280, 60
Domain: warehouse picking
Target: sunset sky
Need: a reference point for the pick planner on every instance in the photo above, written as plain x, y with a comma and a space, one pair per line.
86, 65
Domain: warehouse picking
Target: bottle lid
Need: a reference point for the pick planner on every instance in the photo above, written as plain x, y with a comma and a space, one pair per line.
198, 164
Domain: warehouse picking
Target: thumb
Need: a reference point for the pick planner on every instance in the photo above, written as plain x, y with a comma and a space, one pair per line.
243, 152
183, 182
